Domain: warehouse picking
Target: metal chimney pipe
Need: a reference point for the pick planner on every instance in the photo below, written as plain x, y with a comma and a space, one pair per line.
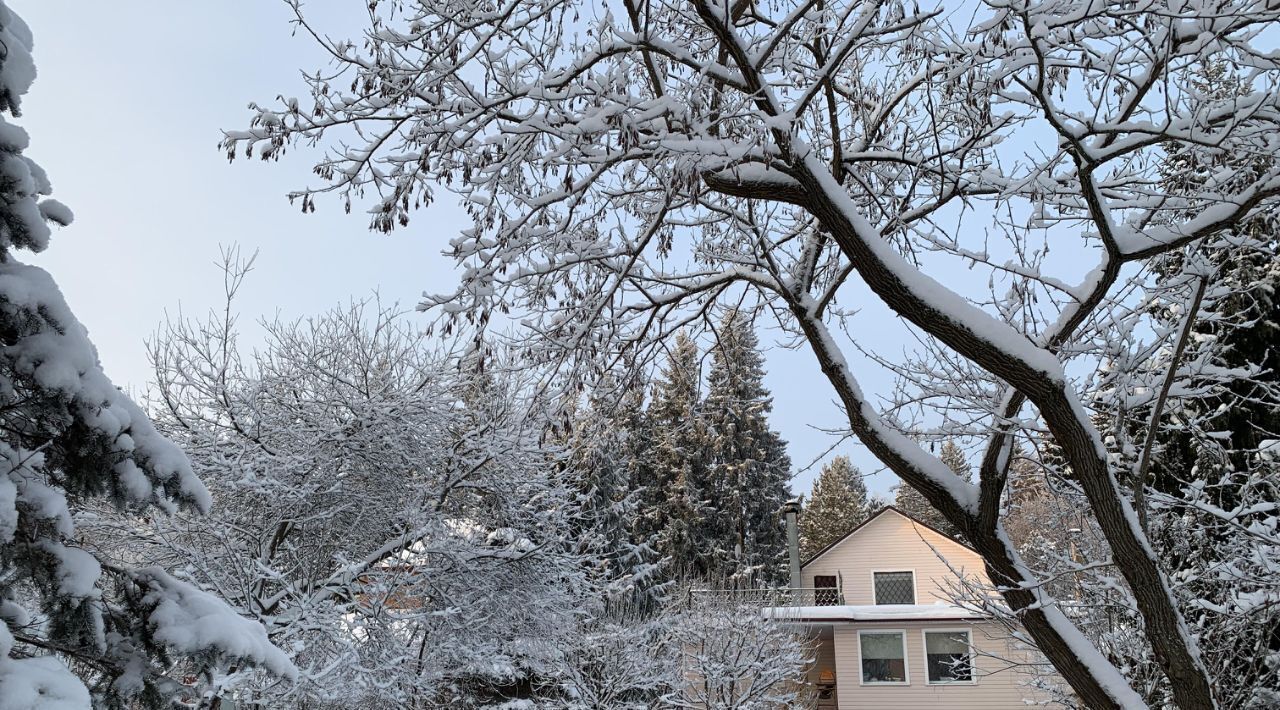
791, 509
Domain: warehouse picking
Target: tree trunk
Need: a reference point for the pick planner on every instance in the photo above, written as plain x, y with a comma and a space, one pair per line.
1163, 625
1001, 564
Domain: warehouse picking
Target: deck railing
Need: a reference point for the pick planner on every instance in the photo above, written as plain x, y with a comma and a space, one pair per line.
805, 596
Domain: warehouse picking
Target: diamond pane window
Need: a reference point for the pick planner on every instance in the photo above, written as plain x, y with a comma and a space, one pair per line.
947, 656
895, 588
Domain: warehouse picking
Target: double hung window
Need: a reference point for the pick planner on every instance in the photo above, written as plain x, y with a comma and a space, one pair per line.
948, 656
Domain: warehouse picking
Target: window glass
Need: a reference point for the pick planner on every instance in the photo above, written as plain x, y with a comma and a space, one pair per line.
883, 658
895, 588
947, 656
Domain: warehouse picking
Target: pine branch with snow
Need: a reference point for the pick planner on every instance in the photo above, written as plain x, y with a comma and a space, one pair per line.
70, 438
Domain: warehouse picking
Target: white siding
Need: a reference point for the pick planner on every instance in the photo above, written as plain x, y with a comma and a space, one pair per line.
996, 687
893, 542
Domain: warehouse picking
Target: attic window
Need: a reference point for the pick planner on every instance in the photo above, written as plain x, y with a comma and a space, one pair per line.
895, 587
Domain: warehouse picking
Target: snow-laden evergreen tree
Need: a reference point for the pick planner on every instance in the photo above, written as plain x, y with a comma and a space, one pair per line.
748, 469
1239, 320
1189, 396
1201, 420
610, 461
673, 508
72, 626
837, 504
909, 500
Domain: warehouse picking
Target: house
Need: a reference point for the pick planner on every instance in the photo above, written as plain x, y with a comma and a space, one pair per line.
887, 635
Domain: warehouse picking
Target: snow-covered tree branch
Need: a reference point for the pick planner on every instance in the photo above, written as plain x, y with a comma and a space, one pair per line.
631, 169
72, 625
382, 507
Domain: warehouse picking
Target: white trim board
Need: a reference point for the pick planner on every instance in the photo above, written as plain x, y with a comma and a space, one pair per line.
973, 657
906, 658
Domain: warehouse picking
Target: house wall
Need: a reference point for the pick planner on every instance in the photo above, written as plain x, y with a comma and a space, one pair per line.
892, 542
824, 660
997, 687
824, 653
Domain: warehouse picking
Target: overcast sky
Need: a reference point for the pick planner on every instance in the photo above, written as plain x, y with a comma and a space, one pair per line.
126, 115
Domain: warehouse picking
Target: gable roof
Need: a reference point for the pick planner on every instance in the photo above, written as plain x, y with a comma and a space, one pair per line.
874, 516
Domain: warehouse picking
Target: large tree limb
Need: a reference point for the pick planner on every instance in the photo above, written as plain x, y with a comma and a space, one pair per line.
1097, 682
1002, 351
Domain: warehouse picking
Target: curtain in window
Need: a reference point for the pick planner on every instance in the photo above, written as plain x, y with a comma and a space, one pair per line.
883, 659
947, 656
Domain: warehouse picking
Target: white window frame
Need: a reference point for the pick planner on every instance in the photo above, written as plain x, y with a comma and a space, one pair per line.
924, 648
915, 586
906, 658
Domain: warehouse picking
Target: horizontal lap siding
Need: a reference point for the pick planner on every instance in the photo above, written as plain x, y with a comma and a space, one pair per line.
824, 658
893, 542
997, 688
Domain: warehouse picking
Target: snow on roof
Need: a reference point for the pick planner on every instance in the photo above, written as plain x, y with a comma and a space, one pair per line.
871, 612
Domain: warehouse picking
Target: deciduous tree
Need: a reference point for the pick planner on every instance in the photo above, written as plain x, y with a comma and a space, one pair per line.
634, 169
383, 507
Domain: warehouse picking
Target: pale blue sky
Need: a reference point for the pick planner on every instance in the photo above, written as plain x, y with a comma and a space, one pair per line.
125, 117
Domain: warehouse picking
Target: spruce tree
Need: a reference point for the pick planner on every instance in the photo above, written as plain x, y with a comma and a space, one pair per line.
609, 464
606, 445
671, 484
1240, 319
1219, 440
911, 502
749, 469
837, 504
71, 623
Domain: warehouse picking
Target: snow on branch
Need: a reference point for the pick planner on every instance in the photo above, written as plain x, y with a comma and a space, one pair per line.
781, 158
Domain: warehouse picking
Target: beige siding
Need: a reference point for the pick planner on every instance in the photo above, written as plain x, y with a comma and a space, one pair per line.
996, 686
892, 542
824, 660
824, 653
